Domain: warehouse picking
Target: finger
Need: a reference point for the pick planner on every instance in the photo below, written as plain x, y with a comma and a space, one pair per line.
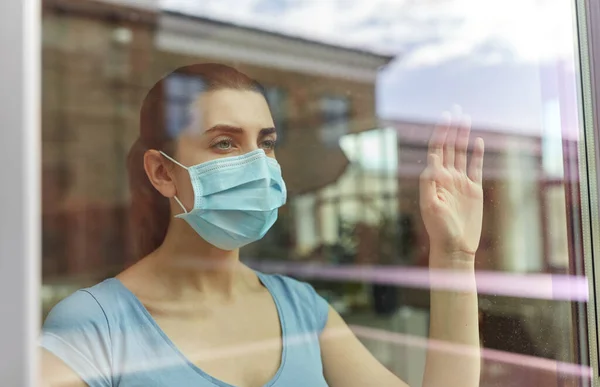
427, 189
462, 143
449, 145
434, 162
438, 137
476, 165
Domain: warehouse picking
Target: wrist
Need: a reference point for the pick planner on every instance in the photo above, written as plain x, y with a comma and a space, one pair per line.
462, 260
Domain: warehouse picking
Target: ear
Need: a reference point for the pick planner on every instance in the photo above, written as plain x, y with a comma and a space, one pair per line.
160, 173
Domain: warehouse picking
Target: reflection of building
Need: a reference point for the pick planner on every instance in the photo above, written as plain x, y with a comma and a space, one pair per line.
523, 199
365, 193
525, 227
99, 58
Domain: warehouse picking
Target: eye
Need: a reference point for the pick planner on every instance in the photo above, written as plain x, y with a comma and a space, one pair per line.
224, 144
268, 144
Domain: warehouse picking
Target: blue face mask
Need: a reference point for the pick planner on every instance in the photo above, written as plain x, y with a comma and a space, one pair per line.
235, 198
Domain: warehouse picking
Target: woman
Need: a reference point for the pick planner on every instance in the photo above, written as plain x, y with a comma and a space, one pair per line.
189, 313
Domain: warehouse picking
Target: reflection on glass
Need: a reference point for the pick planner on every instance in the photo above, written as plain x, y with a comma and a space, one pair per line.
353, 129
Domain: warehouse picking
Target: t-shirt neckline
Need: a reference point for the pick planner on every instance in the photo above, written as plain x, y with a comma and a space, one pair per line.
266, 283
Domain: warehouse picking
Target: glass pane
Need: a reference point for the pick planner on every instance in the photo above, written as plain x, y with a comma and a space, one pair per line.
355, 91
335, 112
177, 117
276, 97
179, 86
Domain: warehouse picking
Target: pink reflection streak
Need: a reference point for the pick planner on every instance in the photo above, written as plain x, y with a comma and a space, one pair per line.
540, 286
492, 355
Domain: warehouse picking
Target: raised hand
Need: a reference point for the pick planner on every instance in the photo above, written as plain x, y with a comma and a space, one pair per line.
451, 195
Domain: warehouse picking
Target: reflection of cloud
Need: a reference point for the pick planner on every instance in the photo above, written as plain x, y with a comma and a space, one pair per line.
428, 32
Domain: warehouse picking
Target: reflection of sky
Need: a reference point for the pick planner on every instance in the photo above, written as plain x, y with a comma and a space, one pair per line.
483, 55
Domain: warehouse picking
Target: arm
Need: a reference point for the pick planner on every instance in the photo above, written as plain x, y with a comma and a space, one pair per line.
451, 203
75, 344
454, 321
346, 361
55, 373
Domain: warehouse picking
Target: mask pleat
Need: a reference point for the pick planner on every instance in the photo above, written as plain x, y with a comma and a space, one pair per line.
236, 199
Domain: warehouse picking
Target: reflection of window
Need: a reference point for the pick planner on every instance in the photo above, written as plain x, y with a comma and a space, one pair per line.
335, 113
276, 97
375, 150
307, 237
556, 226
180, 91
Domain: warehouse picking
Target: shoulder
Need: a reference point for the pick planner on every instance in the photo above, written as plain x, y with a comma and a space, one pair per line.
93, 311
77, 331
301, 297
87, 306
291, 285
81, 307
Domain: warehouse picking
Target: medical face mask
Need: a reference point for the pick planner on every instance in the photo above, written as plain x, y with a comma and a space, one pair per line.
236, 199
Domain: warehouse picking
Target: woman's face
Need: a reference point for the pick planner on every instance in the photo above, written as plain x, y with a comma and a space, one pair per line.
224, 123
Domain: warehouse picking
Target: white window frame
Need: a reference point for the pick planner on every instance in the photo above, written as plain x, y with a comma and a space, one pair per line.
20, 222
588, 28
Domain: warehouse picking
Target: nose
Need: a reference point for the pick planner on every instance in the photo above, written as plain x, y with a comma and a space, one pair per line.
251, 147
251, 143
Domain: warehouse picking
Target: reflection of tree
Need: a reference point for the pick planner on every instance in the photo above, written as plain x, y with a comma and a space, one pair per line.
277, 244
344, 250
392, 240
389, 241
407, 238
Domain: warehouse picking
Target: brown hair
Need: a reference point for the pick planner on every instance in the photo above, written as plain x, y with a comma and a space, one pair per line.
149, 212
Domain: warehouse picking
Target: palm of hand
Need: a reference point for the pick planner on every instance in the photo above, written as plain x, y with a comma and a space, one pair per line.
451, 196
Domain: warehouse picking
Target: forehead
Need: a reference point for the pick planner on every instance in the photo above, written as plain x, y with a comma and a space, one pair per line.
240, 108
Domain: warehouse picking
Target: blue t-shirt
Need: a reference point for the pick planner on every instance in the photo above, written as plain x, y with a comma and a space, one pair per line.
108, 338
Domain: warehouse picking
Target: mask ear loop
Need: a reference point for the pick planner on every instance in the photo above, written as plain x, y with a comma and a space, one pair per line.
173, 160
180, 204
182, 166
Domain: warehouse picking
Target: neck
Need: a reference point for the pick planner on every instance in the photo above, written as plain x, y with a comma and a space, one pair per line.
187, 264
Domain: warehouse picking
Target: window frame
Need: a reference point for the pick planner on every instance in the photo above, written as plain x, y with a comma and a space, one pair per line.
588, 34
20, 238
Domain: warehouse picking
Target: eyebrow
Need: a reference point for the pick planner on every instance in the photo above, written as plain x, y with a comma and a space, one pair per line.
237, 130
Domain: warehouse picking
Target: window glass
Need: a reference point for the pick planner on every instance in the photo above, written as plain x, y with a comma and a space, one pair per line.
335, 116
355, 90
277, 99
